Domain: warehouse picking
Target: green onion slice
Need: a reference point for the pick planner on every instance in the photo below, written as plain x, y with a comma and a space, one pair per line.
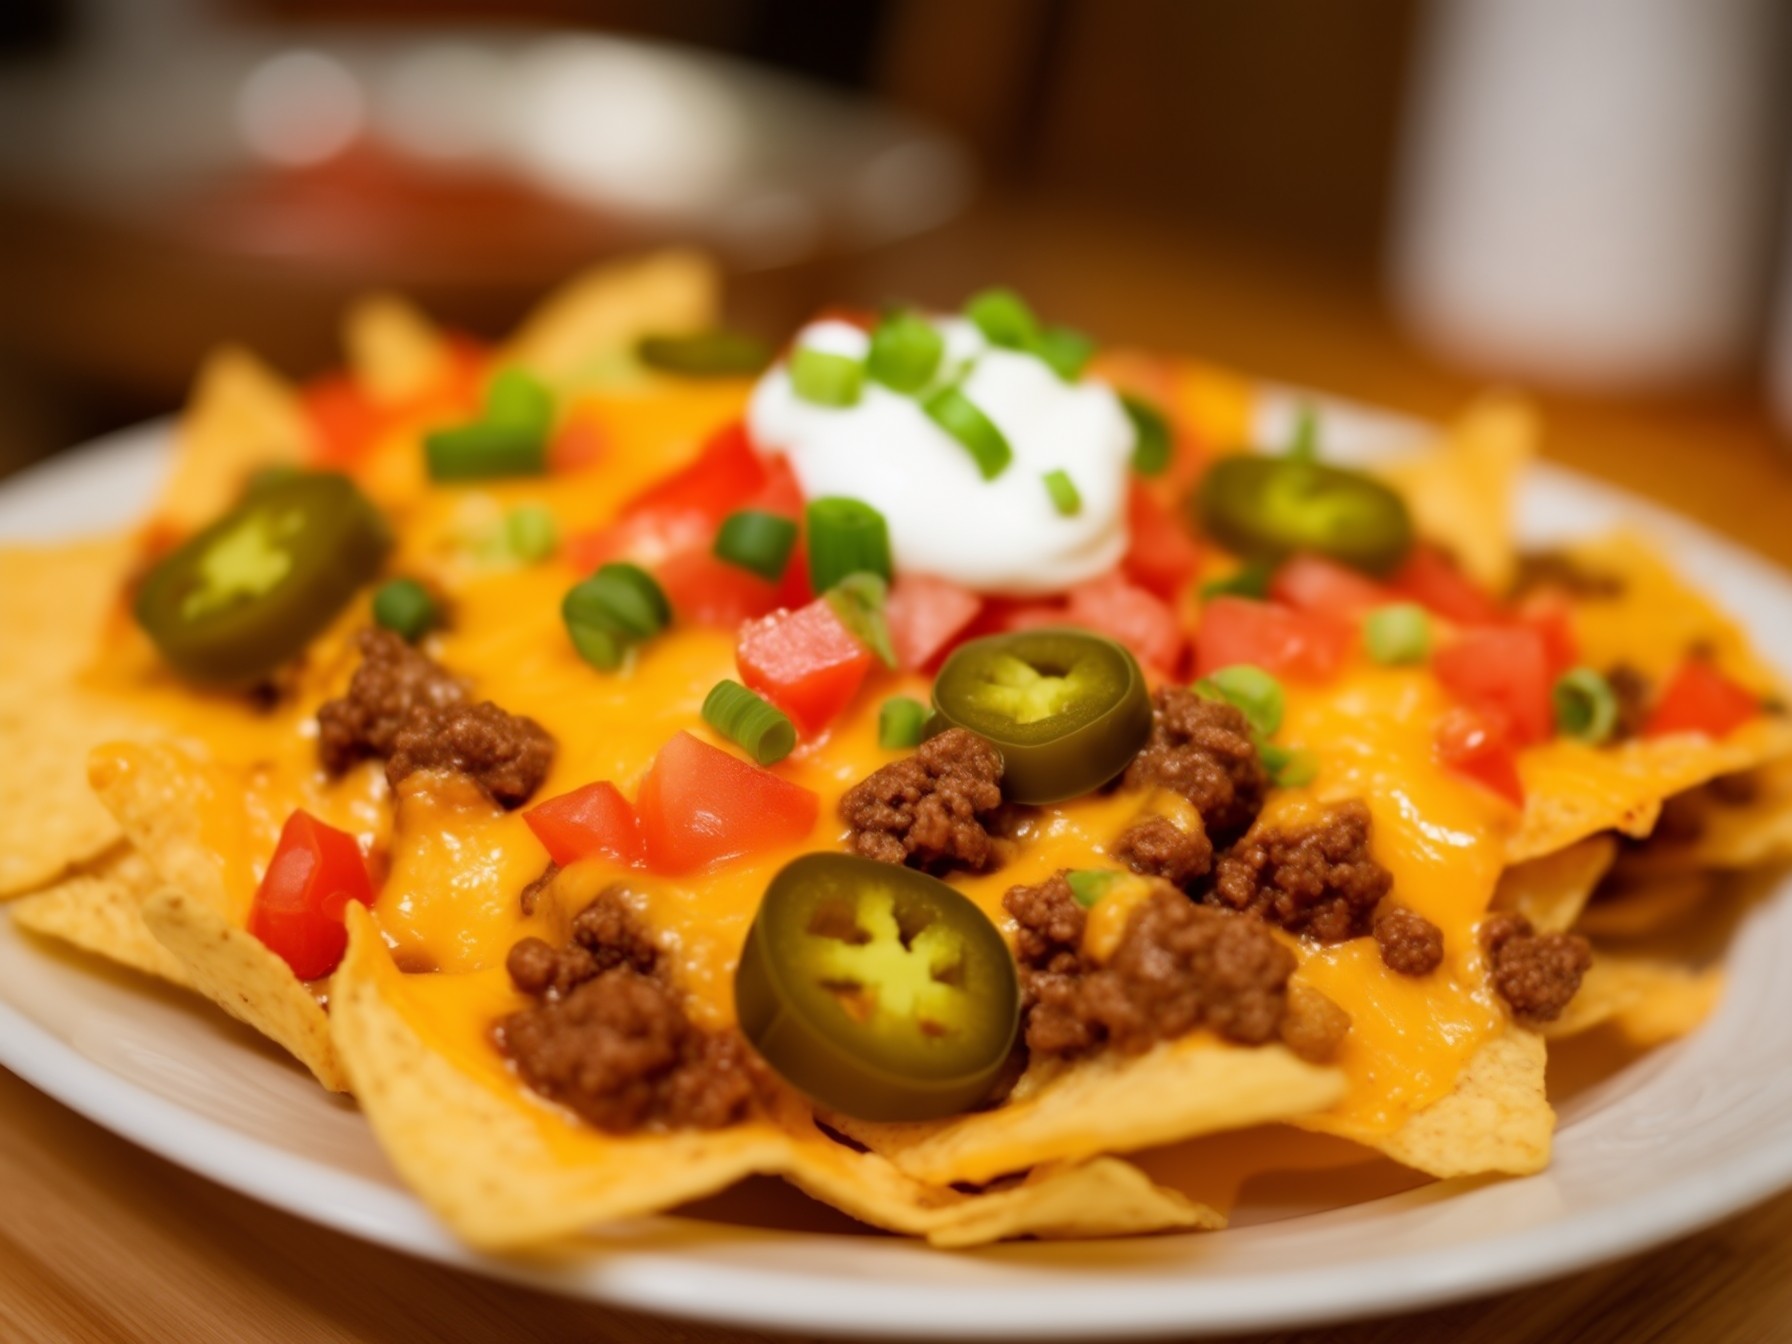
905, 352
900, 720
483, 450
1304, 446
609, 613
1289, 767
1004, 318
1248, 580
1066, 498
1089, 885
750, 721
1066, 350
404, 607
1257, 695
518, 400
846, 536
756, 541
705, 354
825, 379
1151, 436
959, 416
858, 600
1398, 633
1586, 706
530, 533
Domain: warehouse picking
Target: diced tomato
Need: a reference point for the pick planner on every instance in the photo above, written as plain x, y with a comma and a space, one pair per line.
1136, 618
1700, 699
579, 444
779, 494
726, 472
1163, 555
1476, 745
1313, 583
1501, 671
1432, 579
1551, 615
1305, 645
299, 907
706, 590
587, 822
343, 420
645, 539
926, 616
699, 805
805, 662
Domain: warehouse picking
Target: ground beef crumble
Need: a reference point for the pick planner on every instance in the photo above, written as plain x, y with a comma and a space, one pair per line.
1313, 1026
1537, 974
608, 1036
404, 707
1634, 694
1565, 573
1409, 943
1203, 750
931, 809
1178, 966
1317, 879
1158, 847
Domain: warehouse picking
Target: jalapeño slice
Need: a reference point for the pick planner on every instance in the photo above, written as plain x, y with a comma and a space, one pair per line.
1067, 709
876, 990
1267, 508
253, 589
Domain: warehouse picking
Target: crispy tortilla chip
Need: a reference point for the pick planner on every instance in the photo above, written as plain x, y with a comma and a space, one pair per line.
54, 604
1110, 1104
1652, 1001
1461, 494
1726, 833
152, 790
395, 353
586, 322
236, 971
1644, 905
242, 416
99, 909
1552, 891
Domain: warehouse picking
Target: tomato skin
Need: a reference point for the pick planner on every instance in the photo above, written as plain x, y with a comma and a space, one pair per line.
706, 590
1132, 616
1551, 615
1430, 578
805, 662
1313, 583
343, 420
579, 445
1701, 699
1502, 672
1476, 745
926, 617
299, 907
1304, 645
1163, 556
592, 820
699, 805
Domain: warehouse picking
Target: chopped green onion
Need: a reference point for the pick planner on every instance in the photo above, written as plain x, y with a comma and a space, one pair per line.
959, 416
825, 379
752, 722
1066, 498
1151, 436
1089, 885
530, 533
1304, 446
518, 400
609, 613
905, 352
1398, 633
482, 450
900, 720
705, 354
1065, 349
757, 542
1249, 580
1289, 767
845, 536
404, 607
1256, 694
1586, 706
858, 600
1004, 318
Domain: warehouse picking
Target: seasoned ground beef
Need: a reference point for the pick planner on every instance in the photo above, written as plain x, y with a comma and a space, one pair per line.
930, 809
1634, 694
1178, 966
1565, 573
1158, 847
1317, 880
1203, 750
1313, 1026
1410, 944
1535, 973
608, 1036
405, 707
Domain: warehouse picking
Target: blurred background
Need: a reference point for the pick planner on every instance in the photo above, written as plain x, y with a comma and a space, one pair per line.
1398, 200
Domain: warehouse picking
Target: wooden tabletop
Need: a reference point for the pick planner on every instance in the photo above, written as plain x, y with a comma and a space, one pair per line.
100, 1242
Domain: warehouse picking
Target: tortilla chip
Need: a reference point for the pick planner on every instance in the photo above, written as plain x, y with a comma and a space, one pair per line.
1552, 891
602, 312
1652, 1001
151, 790
1726, 834
99, 909
242, 416
1643, 906
236, 971
55, 602
395, 353
1461, 494
1109, 1104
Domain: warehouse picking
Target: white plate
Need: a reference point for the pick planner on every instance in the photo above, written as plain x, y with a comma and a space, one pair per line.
1692, 1133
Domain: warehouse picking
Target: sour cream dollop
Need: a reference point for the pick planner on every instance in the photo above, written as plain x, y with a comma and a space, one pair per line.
996, 536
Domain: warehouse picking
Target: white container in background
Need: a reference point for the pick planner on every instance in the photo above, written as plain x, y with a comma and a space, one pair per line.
1588, 187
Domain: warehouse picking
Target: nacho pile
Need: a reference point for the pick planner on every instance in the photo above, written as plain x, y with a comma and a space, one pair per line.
945, 766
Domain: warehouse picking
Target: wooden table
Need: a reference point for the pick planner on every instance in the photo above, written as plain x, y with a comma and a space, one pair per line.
100, 1242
